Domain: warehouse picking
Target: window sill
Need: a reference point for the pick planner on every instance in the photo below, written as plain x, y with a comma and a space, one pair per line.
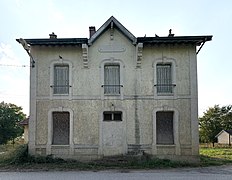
165, 94
112, 120
165, 145
59, 145
60, 94
112, 95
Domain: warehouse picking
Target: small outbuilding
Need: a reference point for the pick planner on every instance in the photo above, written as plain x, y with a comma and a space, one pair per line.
25, 123
224, 137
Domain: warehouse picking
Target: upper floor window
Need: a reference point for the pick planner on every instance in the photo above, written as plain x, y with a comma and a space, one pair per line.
61, 79
112, 79
164, 79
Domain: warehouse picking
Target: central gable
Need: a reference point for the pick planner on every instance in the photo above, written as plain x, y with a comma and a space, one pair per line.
112, 23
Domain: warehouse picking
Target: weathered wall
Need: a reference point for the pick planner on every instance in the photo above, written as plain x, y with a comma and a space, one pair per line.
138, 102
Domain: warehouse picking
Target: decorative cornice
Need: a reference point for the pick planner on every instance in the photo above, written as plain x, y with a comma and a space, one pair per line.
85, 55
139, 56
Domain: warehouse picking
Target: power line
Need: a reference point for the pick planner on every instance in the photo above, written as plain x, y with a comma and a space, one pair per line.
12, 65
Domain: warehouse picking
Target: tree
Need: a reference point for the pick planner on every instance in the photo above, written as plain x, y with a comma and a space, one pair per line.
10, 116
213, 121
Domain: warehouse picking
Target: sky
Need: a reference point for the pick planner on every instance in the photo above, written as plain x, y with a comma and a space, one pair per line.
72, 18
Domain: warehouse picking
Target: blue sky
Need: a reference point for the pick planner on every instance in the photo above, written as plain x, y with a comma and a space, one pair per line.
72, 18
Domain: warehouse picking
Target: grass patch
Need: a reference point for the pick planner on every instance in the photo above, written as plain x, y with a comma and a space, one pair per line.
215, 156
17, 157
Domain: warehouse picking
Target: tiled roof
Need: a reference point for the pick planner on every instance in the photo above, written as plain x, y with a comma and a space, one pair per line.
112, 22
229, 131
24, 122
56, 41
176, 39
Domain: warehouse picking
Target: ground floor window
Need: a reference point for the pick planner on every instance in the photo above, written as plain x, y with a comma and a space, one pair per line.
61, 128
112, 116
164, 127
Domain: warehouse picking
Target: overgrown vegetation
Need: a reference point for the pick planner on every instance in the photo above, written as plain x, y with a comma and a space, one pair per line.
12, 157
19, 158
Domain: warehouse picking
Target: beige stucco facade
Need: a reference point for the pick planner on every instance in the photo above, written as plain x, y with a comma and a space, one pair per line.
89, 136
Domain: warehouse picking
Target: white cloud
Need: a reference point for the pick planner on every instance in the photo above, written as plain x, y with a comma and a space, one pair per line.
7, 55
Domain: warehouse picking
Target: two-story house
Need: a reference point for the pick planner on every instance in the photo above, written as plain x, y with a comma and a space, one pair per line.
114, 94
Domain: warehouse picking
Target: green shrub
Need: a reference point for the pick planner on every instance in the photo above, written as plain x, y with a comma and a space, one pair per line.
20, 155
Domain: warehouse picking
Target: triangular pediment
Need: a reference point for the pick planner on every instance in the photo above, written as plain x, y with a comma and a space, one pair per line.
112, 23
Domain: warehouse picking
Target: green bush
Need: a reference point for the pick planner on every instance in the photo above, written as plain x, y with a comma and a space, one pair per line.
20, 156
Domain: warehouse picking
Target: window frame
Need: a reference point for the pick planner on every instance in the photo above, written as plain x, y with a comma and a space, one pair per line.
158, 127
49, 144
112, 114
55, 81
110, 87
112, 61
166, 87
54, 139
176, 119
172, 63
60, 62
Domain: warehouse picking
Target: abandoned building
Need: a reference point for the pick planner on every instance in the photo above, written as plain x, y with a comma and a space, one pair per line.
114, 94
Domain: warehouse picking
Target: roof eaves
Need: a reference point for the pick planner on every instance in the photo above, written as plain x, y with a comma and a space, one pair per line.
24, 122
60, 41
177, 39
229, 131
219, 133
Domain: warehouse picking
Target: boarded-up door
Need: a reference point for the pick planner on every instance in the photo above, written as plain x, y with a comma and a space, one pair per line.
113, 134
61, 128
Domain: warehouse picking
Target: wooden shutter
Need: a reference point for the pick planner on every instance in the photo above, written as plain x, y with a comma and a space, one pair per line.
112, 79
164, 78
61, 79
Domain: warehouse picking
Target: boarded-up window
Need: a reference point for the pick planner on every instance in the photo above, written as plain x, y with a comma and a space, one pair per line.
164, 127
164, 78
61, 79
112, 116
112, 79
61, 127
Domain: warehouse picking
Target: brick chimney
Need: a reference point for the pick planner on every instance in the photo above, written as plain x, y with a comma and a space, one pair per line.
53, 36
92, 31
